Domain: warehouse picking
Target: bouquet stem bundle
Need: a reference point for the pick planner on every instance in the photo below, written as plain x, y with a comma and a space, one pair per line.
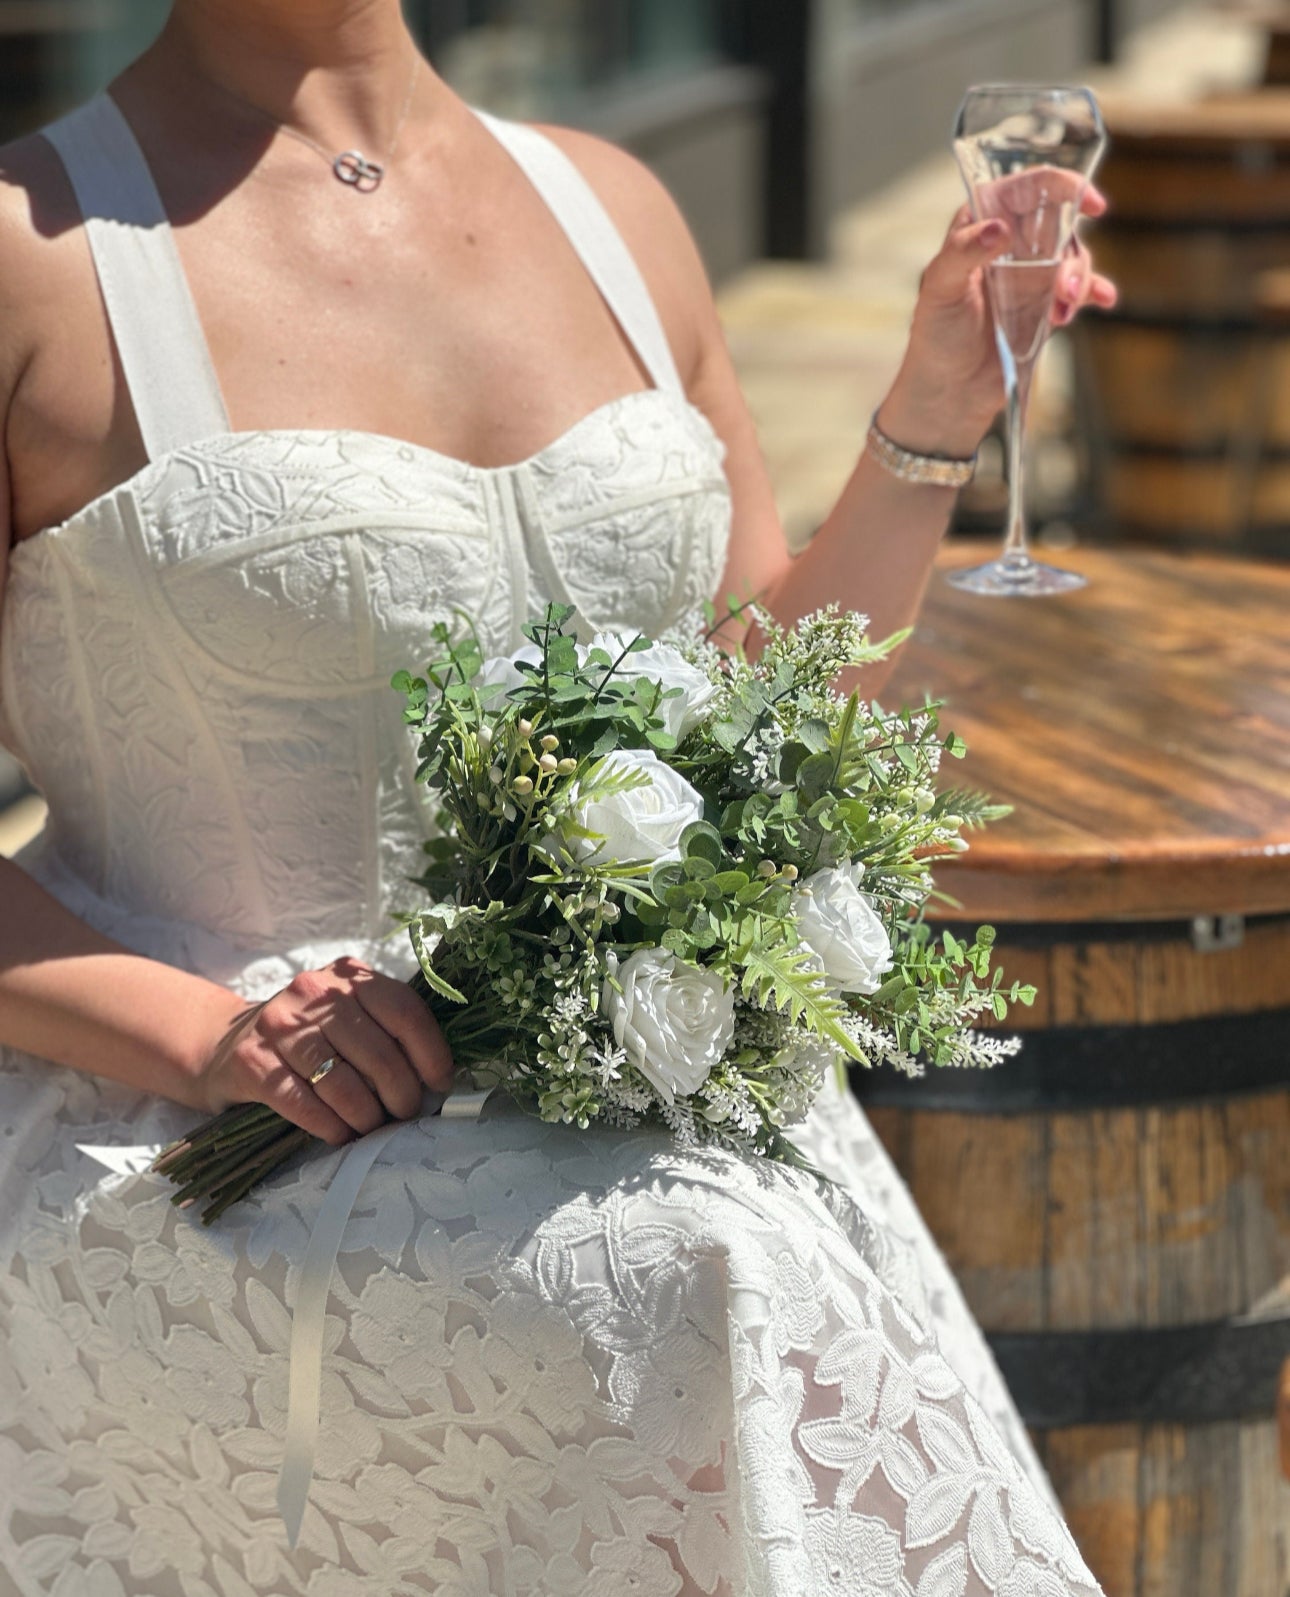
224, 1159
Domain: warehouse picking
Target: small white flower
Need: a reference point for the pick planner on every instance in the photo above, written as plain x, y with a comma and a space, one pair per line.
839, 924
499, 673
640, 823
673, 1020
664, 664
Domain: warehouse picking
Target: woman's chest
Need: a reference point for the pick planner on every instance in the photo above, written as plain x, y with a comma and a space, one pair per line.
463, 323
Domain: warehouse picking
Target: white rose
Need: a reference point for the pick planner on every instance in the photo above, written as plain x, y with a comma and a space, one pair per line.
664, 664
839, 924
640, 823
673, 1021
499, 674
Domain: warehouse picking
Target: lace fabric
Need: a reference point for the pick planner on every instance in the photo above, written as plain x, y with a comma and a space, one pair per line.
557, 1364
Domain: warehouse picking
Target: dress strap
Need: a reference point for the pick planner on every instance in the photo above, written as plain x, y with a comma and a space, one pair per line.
574, 204
167, 366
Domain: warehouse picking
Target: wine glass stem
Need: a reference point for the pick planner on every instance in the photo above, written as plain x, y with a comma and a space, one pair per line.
1015, 551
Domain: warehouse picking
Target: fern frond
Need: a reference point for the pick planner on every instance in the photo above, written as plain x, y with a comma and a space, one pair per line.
785, 978
977, 809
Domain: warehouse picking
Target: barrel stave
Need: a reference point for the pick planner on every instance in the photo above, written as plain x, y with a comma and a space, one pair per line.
1144, 975
1166, 1511
1106, 1219
1186, 384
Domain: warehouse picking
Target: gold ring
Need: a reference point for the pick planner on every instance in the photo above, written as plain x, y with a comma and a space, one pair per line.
323, 1071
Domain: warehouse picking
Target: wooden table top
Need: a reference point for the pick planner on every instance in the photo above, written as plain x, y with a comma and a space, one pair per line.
1258, 114
1140, 727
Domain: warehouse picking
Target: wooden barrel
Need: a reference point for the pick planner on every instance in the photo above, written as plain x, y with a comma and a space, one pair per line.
1276, 60
1192, 440
1116, 1200
1184, 390
1116, 1205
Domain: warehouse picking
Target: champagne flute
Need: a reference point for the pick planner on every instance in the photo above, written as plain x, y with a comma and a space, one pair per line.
1027, 152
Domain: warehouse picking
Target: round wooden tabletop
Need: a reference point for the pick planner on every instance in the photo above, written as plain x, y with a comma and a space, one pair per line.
1140, 727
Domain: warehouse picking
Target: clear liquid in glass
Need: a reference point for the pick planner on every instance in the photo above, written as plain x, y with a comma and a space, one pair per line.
1026, 152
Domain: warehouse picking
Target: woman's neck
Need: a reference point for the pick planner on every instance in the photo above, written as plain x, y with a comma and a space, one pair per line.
336, 69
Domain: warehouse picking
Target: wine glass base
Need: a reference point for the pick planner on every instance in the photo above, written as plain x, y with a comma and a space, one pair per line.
1022, 579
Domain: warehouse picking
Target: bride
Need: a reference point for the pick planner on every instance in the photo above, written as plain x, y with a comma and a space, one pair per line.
299, 355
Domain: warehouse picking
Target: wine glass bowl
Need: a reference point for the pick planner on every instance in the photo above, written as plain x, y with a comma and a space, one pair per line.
1027, 153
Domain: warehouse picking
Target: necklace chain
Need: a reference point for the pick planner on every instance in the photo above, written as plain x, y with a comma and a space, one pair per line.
350, 167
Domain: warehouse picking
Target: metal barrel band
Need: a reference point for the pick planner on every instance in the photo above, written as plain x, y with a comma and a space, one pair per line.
1178, 1375
1012, 935
1073, 1068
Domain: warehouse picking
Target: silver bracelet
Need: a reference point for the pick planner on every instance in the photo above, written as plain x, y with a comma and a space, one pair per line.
930, 471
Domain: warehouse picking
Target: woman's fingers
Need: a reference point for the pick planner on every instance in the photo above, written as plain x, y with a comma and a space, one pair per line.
384, 1041
399, 1012
1093, 202
966, 250
1071, 287
1079, 285
372, 1052
345, 1090
288, 1092
1102, 292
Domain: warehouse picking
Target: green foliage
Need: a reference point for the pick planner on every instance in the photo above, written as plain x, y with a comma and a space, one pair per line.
795, 778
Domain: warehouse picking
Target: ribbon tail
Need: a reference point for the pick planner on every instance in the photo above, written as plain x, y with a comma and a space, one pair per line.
307, 1323
122, 1161
308, 1318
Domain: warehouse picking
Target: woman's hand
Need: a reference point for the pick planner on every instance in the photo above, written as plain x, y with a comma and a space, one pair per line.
950, 386
385, 1042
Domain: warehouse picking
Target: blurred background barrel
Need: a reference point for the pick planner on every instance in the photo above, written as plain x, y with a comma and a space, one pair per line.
1276, 59
1186, 384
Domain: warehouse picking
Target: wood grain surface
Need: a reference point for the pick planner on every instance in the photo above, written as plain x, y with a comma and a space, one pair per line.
1140, 728
1150, 981
1161, 1511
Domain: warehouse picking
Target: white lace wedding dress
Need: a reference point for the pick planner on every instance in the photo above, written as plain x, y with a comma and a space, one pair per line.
556, 1363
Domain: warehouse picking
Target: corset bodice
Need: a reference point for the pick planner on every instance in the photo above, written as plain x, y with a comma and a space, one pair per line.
195, 668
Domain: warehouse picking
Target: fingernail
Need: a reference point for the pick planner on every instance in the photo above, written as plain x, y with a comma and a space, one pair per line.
1070, 284
992, 232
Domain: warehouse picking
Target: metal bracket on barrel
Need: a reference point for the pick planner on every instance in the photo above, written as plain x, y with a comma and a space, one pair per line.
1213, 934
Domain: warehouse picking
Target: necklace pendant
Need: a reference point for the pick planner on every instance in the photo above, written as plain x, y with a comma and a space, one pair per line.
353, 167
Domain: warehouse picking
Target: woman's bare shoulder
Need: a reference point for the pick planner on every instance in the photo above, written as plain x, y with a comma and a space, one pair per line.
655, 232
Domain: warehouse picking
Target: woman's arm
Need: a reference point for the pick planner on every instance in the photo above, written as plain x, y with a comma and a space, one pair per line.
69, 995
76, 998
80, 999
875, 549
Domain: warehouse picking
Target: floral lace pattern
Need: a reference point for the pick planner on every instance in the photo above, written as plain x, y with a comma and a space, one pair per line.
588, 1365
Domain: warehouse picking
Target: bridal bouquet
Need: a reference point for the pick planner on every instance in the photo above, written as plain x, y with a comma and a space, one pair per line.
671, 885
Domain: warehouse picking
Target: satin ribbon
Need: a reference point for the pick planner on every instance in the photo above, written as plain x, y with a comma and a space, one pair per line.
308, 1318
131, 1161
